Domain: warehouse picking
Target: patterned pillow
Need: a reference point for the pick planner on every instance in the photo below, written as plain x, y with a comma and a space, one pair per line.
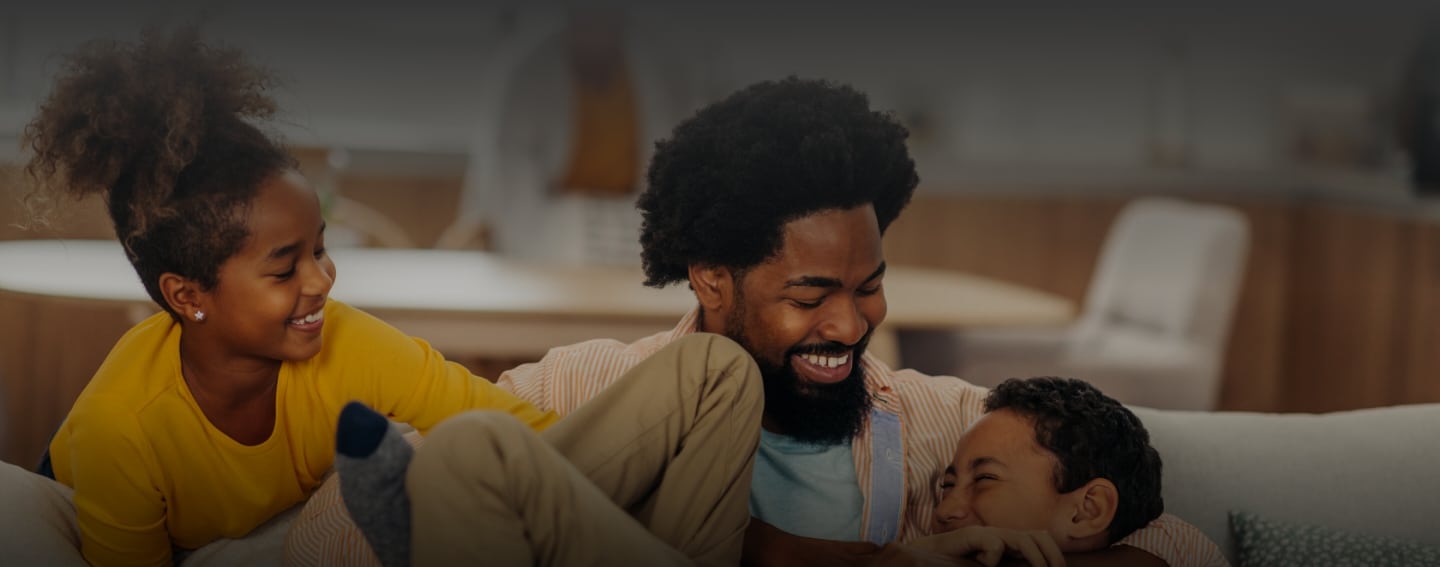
1265, 543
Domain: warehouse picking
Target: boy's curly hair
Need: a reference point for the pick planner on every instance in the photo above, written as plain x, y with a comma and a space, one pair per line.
1092, 436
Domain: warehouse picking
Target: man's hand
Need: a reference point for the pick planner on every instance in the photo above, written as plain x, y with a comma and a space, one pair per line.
896, 555
990, 545
769, 546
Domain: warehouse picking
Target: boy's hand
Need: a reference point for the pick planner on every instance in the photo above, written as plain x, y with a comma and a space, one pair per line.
990, 545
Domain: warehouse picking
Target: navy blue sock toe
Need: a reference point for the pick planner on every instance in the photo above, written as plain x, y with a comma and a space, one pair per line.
360, 430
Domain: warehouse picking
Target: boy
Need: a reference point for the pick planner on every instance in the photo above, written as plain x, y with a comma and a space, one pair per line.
1053, 466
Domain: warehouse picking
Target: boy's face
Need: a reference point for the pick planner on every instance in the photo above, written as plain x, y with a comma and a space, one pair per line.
1002, 478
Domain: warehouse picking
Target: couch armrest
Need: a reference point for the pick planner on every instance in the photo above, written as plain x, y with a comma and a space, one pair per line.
1370, 471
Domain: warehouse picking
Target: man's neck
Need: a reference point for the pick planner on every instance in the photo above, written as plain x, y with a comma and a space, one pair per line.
711, 323
769, 424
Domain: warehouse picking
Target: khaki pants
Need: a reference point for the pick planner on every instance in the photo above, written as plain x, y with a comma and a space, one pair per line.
653, 471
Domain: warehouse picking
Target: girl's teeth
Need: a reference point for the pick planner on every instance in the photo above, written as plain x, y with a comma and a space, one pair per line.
311, 318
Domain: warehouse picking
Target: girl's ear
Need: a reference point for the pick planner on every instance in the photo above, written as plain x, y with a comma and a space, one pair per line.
183, 295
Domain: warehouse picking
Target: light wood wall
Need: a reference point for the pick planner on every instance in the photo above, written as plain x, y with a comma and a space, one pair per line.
1338, 309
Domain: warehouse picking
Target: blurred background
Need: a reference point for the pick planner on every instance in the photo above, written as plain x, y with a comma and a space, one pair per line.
1311, 131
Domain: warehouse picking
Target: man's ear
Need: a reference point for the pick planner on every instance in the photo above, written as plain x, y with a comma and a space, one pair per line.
1094, 507
182, 294
714, 286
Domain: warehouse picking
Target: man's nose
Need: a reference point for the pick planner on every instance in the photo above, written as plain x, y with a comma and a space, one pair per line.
845, 324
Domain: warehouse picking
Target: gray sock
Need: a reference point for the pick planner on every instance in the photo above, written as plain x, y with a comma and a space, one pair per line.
371, 458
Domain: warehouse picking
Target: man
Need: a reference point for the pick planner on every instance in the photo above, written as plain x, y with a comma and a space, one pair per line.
770, 205
1057, 458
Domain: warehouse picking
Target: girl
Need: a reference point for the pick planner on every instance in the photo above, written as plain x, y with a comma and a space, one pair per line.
211, 417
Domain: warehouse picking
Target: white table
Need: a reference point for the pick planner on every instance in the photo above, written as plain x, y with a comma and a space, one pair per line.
469, 303
64, 302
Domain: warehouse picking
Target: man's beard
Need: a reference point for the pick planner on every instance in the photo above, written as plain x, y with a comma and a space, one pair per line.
826, 414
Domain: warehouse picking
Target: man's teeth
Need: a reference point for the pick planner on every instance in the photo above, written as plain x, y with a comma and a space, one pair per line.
311, 318
827, 361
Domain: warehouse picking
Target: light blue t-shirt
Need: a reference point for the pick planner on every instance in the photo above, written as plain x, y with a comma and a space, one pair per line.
805, 489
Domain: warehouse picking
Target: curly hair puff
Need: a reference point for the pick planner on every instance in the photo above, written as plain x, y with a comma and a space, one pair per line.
160, 129
722, 188
1092, 436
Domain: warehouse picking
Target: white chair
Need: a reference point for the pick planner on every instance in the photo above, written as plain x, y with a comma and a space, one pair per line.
1155, 321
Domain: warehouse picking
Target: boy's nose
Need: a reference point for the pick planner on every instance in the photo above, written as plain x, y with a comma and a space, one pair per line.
953, 514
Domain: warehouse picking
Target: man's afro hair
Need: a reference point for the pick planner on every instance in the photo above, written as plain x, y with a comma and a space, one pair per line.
724, 185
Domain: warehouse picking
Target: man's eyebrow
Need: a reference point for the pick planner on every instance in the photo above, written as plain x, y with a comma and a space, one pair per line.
831, 283
982, 461
814, 281
950, 470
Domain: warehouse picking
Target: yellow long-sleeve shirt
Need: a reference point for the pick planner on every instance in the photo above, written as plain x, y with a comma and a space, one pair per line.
149, 470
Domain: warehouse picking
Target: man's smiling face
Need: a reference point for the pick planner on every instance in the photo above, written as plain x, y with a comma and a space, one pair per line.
806, 315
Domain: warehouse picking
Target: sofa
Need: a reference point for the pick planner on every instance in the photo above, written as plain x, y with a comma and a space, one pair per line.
1374, 472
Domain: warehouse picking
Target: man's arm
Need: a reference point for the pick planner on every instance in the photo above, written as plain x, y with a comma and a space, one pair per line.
769, 546
1116, 555
1175, 542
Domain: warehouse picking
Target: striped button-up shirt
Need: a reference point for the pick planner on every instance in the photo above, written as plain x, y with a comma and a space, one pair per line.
932, 412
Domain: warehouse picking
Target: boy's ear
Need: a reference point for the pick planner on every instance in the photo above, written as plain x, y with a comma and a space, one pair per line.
182, 294
1094, 508
714, 286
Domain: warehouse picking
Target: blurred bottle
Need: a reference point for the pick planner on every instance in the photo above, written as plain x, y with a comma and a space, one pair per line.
1170, 108
1419, 112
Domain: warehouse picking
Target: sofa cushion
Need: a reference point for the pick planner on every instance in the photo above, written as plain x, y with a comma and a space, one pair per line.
37, 527
1368, 471
37, 520
1262, 543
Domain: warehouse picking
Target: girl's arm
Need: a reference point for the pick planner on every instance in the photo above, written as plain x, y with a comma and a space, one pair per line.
409, 381
120, 511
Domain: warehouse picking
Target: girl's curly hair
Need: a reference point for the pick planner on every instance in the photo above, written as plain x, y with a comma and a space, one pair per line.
161, 129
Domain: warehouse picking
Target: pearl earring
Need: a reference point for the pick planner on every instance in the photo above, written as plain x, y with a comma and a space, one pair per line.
199, 316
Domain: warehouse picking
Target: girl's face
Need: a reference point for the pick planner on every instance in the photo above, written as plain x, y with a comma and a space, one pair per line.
269, 301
